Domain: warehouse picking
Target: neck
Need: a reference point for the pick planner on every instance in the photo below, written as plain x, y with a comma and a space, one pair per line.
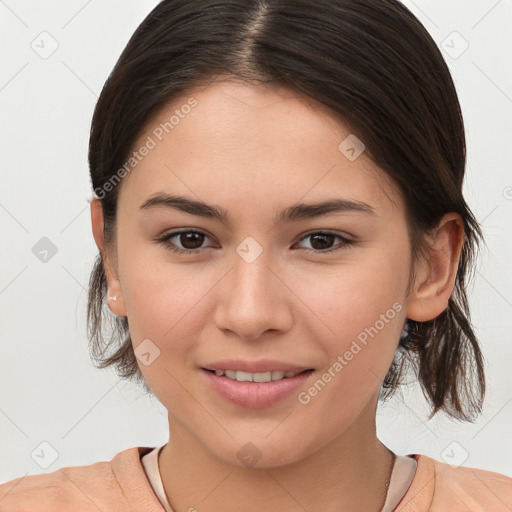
350, 473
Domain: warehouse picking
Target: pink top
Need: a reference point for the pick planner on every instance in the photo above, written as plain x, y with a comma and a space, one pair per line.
122, 485
402, 475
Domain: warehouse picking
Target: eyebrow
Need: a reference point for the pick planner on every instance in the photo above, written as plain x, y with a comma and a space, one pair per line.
293, 213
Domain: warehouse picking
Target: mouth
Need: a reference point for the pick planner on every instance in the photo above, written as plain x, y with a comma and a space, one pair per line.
268, 376
255, 390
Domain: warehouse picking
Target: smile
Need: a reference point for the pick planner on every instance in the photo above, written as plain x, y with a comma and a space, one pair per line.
254, 390
241, 376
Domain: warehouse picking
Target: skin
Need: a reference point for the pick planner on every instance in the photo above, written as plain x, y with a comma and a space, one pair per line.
254, 151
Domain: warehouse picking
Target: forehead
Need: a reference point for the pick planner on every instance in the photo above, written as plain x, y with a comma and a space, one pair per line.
241, 142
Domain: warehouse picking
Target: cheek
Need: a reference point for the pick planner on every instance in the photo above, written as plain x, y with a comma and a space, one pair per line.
361, 309
165, 306
354, 296
157, 292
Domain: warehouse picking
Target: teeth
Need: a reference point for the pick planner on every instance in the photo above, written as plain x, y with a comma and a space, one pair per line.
261, 377
255, 377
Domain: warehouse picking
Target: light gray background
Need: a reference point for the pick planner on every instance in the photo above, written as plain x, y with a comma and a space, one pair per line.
50, 391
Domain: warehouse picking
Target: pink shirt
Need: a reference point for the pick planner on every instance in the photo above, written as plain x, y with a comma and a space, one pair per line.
122, 485
404, 469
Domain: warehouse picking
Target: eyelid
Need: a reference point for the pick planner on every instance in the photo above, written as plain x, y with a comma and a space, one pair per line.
346, 240
343, 235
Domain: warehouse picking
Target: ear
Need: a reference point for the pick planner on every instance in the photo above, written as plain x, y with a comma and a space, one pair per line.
435, 279
114, 286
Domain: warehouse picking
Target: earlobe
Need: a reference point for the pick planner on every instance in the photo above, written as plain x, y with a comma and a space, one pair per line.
116, 305
436, 278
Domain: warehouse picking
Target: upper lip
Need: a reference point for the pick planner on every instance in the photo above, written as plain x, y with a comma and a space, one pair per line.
261, 366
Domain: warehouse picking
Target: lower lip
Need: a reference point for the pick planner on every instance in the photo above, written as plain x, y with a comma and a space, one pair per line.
255, 395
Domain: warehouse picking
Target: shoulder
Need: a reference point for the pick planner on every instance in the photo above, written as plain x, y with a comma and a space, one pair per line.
472, 488
86, 488
440, 487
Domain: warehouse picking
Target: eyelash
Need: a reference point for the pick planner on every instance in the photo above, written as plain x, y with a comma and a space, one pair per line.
172, 247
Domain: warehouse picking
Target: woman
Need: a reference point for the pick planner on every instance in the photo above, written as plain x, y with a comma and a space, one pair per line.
282, 232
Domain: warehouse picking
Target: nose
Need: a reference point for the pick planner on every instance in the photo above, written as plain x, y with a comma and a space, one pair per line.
254, 299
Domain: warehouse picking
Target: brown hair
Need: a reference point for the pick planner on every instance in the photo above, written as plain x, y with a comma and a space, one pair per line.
376, 68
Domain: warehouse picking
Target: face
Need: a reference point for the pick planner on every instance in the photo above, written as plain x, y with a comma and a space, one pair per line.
266, 283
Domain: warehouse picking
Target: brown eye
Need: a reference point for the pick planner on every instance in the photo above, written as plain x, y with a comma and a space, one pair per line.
190, 241
322, 241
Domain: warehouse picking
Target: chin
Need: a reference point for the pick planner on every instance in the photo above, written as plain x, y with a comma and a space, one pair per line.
262, 452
